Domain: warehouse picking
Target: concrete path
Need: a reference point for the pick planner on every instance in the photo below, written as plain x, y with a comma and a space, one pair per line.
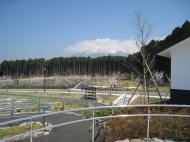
78, 132
78, 91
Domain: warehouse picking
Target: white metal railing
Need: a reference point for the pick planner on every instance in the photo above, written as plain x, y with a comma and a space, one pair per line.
93, 118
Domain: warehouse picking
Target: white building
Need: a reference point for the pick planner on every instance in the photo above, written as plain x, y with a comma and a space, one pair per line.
180, 70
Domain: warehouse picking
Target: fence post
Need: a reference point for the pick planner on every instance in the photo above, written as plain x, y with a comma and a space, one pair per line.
148, 124
93, 126
44, 118
63, 103
104, 137
39, 104
12, 108
31, 129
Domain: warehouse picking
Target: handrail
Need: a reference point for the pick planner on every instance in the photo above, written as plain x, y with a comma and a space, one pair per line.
94, 118
90, 108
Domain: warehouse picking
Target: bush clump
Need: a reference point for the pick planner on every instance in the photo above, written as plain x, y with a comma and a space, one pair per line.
175, 128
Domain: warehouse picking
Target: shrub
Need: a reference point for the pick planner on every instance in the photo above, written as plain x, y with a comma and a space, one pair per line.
176, 128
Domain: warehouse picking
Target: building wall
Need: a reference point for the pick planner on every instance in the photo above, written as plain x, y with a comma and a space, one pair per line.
180, 73
180, 66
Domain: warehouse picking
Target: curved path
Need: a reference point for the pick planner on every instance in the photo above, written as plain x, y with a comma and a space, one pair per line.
70, 133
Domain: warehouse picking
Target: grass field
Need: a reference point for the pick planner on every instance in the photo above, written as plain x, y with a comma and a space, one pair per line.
12, 130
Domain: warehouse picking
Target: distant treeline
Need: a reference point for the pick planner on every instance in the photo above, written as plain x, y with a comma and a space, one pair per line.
100, 65
63, 66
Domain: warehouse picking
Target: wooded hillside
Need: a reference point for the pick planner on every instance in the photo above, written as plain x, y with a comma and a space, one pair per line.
100, 65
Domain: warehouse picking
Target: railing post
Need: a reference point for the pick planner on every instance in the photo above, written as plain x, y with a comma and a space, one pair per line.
93, 126
12, 108
39, 104
63, 104
31, 129
104, 137
148, 124
44, 118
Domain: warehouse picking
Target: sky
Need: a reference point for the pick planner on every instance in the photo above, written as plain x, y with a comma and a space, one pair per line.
53, 28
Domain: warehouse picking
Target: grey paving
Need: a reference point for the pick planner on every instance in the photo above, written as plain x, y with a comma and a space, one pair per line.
70, 133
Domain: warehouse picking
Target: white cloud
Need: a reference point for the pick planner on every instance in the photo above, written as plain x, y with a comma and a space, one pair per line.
159, 37
100, 47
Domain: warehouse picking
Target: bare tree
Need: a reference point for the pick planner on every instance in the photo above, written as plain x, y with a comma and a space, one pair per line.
143, 29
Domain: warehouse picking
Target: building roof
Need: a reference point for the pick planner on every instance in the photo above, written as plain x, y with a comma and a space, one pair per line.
167, 49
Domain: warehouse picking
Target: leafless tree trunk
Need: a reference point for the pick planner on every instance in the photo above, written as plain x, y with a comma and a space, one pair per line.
143, 29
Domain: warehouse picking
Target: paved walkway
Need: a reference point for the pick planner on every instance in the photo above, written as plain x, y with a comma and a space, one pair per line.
79, 91
70, 133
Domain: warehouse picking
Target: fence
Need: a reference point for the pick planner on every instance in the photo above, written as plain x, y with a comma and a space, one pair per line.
93, 118
24, 105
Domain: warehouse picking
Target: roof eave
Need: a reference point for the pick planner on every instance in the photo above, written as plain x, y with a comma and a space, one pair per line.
165, 53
